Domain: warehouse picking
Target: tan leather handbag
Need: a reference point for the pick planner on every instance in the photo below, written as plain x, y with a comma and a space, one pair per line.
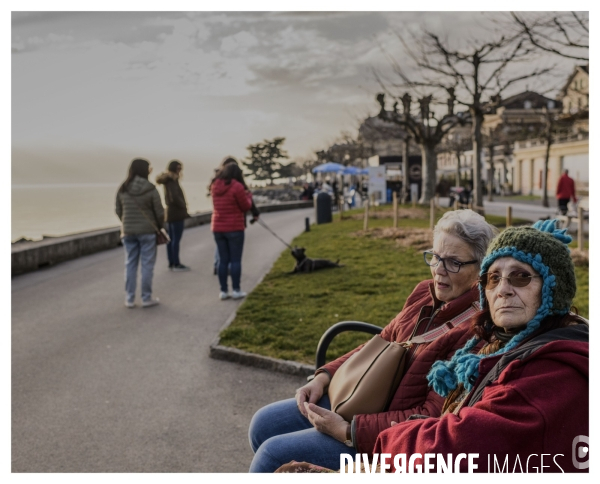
367, 381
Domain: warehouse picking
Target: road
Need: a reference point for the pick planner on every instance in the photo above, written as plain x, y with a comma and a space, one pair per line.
97, 387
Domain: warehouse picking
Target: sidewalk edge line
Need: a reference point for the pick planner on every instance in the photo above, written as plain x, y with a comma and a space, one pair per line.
219, 352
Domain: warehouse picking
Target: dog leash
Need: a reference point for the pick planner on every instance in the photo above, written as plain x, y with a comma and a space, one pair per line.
266, 227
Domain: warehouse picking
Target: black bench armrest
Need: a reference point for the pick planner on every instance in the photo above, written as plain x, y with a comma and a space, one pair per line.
336, 329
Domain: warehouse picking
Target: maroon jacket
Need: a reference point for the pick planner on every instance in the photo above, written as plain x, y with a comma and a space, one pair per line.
566, 188
538, 405
413, 395
230, 203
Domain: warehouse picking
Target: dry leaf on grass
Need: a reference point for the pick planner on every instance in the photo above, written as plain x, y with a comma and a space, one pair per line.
418, 239
580, 258
408, 213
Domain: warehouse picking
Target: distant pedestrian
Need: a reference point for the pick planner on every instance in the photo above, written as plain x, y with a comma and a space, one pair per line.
307, 192
565, 191
140, 210
231, 200
176, 212
253, 209
464, 197
336, 193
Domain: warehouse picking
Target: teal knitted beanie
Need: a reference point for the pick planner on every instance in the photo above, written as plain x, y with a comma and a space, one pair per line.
544, 248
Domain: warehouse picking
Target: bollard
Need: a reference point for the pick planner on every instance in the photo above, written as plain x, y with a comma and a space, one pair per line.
307, 224
432, 214
508, 216
580, 228
395, 204
366, 219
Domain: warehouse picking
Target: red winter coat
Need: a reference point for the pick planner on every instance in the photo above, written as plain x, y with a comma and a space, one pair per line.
566, 188
538, 405
230, 203
413, 395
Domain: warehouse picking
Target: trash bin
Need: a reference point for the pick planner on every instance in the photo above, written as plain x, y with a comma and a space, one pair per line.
323, 208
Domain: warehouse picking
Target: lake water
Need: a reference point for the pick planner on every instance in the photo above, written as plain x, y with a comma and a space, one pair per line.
39, 210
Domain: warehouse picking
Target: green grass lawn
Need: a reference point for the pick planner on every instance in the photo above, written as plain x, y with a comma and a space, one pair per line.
285, 316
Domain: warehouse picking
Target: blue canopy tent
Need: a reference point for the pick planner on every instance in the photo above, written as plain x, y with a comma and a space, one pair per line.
329, 167
351, 170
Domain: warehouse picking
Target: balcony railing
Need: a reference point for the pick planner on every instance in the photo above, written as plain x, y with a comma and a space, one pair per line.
558, 139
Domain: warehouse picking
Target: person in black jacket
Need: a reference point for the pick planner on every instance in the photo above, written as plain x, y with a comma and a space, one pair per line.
176, 212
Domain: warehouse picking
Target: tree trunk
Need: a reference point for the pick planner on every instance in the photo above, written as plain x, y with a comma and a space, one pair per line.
405, 187
477, 146
429, 165
457, 184
545, 202
491, 174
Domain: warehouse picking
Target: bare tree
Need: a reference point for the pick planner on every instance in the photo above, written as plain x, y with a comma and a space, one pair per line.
347, 150
478, 70
565, 34
457, 143
427, 130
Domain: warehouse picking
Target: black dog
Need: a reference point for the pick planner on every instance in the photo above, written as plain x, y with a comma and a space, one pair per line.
306, 264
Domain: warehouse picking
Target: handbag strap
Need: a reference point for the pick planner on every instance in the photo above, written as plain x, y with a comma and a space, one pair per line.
156, 229
446, 327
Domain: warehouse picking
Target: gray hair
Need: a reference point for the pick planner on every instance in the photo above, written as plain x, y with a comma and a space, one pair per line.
468, 226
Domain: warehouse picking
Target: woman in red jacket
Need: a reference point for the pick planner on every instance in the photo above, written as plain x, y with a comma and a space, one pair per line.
287, 430
522, 402
231, 200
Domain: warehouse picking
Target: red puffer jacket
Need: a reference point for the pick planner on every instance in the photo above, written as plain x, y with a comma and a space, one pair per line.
413, 395
230, 203
528, 416
566, 188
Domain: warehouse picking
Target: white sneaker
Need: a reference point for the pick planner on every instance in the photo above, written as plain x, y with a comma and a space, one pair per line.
129, 304
238, 294
153, 302
224, 295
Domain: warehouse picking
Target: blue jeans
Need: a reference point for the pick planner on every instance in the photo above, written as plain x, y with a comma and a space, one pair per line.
230, 246
138, 247
279, 433
175, 230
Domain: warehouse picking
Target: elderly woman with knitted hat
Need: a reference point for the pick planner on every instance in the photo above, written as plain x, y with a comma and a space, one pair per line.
522, 400
305, 428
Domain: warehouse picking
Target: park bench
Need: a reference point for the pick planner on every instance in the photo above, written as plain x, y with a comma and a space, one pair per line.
336, 329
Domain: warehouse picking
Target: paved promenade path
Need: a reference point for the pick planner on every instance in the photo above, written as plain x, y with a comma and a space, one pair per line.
97, 387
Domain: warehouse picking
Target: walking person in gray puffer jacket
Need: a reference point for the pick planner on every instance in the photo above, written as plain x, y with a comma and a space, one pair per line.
176, 212
140, 210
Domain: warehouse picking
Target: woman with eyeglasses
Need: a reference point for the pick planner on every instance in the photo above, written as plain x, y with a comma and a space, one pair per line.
305, 429
523, 399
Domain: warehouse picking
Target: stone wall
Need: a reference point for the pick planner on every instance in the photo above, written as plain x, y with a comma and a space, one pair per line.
33, 255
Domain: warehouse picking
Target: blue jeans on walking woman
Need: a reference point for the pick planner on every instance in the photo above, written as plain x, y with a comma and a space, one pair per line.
230, 246
175, 230
142, 246
279, 433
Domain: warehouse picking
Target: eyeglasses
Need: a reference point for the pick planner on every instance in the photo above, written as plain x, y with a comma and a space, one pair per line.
451, 265
515, 279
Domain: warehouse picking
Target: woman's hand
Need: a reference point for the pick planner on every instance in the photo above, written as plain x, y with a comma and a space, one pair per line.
312, 391
327, 422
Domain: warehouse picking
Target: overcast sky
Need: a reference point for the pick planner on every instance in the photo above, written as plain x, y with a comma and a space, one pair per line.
91, 90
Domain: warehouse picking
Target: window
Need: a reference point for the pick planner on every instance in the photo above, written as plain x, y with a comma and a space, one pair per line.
550, 104
527, 105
